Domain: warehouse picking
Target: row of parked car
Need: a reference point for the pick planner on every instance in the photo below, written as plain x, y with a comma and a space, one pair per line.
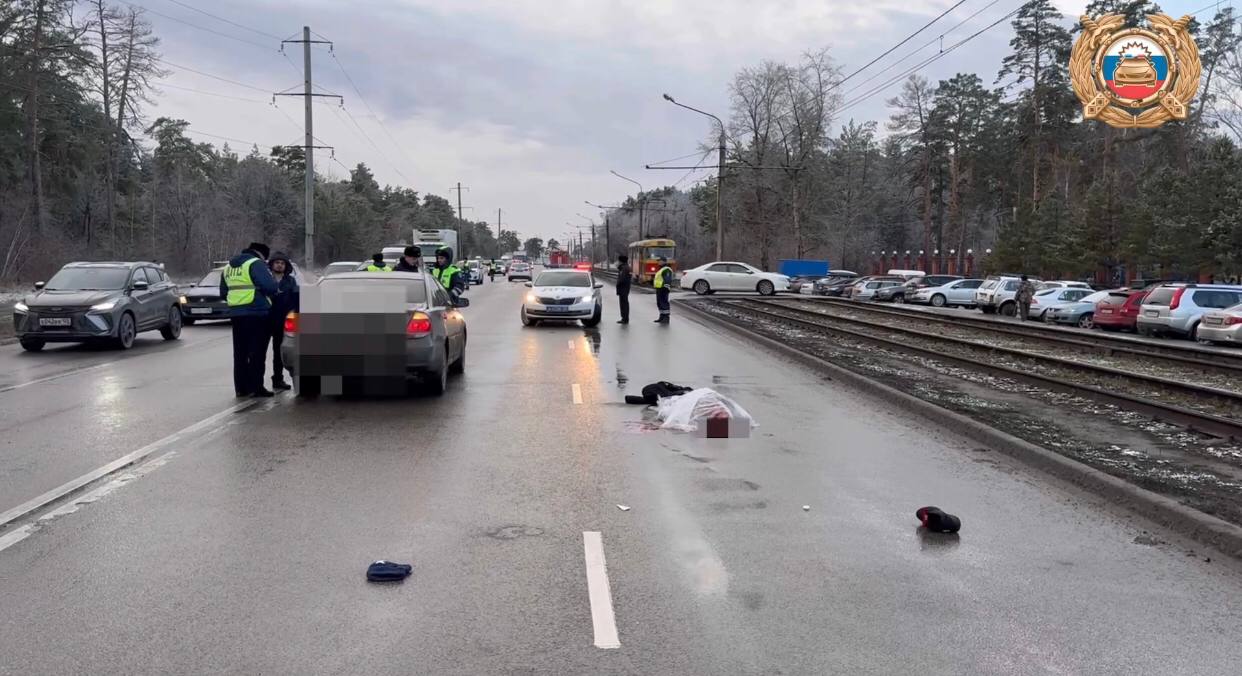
1204, 312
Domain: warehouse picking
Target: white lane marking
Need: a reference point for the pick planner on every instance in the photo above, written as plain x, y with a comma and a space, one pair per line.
123, 461
119, 481
602, 618
577, 389
58, 376
571, 344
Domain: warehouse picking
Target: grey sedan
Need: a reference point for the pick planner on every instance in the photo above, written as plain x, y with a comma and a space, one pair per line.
1080, 313
373, 333
87, 302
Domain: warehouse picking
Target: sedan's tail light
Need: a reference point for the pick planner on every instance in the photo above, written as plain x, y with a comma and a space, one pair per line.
418, 326
1232, 320
1177, 298
291, 323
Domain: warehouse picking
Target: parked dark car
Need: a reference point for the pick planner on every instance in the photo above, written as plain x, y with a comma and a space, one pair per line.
899, 294
111, 302
834, 283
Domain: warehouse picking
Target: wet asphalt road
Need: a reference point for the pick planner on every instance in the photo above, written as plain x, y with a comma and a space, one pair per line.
241, 547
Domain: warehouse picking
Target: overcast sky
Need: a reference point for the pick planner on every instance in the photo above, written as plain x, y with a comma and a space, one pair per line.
530, 103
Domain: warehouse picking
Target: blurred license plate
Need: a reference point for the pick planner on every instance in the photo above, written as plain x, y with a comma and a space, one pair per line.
200, 310
1153, 313
1212, 320
554, 309
55, 321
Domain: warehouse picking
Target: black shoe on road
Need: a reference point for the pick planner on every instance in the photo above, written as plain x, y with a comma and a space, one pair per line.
281, 385
264, 393
242, 395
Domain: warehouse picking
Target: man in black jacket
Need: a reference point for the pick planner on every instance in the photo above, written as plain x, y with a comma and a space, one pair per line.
411, 258
284, 302
623, 288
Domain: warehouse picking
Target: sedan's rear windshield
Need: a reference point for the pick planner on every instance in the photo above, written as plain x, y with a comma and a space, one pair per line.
1160, 296
89, 279
211, 279
342, 287
1218, 300
563, 278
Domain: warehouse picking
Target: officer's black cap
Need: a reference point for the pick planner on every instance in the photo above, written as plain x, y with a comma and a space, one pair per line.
413, 251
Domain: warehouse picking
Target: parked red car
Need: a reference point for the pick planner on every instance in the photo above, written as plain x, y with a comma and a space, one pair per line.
1120, 311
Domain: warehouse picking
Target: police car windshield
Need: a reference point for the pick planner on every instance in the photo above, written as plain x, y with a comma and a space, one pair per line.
89, 279
563, 278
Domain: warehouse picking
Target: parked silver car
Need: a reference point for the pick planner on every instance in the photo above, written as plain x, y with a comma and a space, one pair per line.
1178, 309
111, 302
1222, 326
372, 332
957, 292
1055, 297
866, 290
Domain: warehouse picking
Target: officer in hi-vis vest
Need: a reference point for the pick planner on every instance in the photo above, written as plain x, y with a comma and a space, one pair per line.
663, 283
248, 287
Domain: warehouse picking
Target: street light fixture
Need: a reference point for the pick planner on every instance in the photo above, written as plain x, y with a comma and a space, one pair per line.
719, 175
642, 200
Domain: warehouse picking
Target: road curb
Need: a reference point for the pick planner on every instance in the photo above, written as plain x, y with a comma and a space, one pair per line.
1201, 527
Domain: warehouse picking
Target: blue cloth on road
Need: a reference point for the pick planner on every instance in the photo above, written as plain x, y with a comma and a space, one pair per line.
264, 286
387, 571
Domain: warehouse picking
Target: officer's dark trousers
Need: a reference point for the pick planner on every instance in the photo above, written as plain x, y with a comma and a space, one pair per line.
662, 303
276, 329
250, 337
623, 299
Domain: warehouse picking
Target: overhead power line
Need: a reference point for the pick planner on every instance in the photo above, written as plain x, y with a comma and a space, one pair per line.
929, 43
201, 28
206, 93
892, 49
220, 18
946, 52
214, 77
371, 110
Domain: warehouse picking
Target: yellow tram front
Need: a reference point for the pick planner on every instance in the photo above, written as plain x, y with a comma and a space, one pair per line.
645, 257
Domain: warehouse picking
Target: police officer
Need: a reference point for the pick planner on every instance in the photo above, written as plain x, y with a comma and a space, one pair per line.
623, 288
663, 283
248, 287
411, 258
447, 274
378, 264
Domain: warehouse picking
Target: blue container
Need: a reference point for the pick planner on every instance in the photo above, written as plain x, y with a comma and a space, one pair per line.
803, 268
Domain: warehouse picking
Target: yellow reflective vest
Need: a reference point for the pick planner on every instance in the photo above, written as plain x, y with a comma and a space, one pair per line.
376, 268
658, 282
240, 284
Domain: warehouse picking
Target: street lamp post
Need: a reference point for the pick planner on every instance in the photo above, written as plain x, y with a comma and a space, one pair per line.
642, 201
719, 176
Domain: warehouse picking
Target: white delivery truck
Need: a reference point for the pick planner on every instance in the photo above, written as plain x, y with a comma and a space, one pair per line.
430, 240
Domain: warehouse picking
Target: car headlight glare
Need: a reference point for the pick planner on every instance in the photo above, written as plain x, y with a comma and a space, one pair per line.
530, 297
586, 299
183, 300
20, 307
106, 305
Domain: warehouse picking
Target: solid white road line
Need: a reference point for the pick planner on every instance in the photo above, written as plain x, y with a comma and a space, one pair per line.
602, 617
571, 344
577, 389
123, 461
58, 376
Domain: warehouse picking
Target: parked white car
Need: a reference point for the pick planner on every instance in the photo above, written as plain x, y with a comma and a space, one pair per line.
733, 276
1056, 297
957, 292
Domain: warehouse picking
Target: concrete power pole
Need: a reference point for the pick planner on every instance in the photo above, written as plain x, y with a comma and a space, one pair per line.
308, 145
310, 149
461, 219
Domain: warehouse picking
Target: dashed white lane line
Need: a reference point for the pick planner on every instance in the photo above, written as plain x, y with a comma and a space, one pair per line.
571, 344
603, 620
577, 390
123, 461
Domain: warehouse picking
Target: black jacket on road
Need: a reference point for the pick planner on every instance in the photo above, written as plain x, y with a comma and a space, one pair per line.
286, 299
624, 277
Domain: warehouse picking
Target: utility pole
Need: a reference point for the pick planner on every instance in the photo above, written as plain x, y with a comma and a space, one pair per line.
607, 240
461, 220
308, 144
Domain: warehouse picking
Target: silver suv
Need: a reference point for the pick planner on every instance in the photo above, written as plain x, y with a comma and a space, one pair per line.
997, 292
1178, 308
